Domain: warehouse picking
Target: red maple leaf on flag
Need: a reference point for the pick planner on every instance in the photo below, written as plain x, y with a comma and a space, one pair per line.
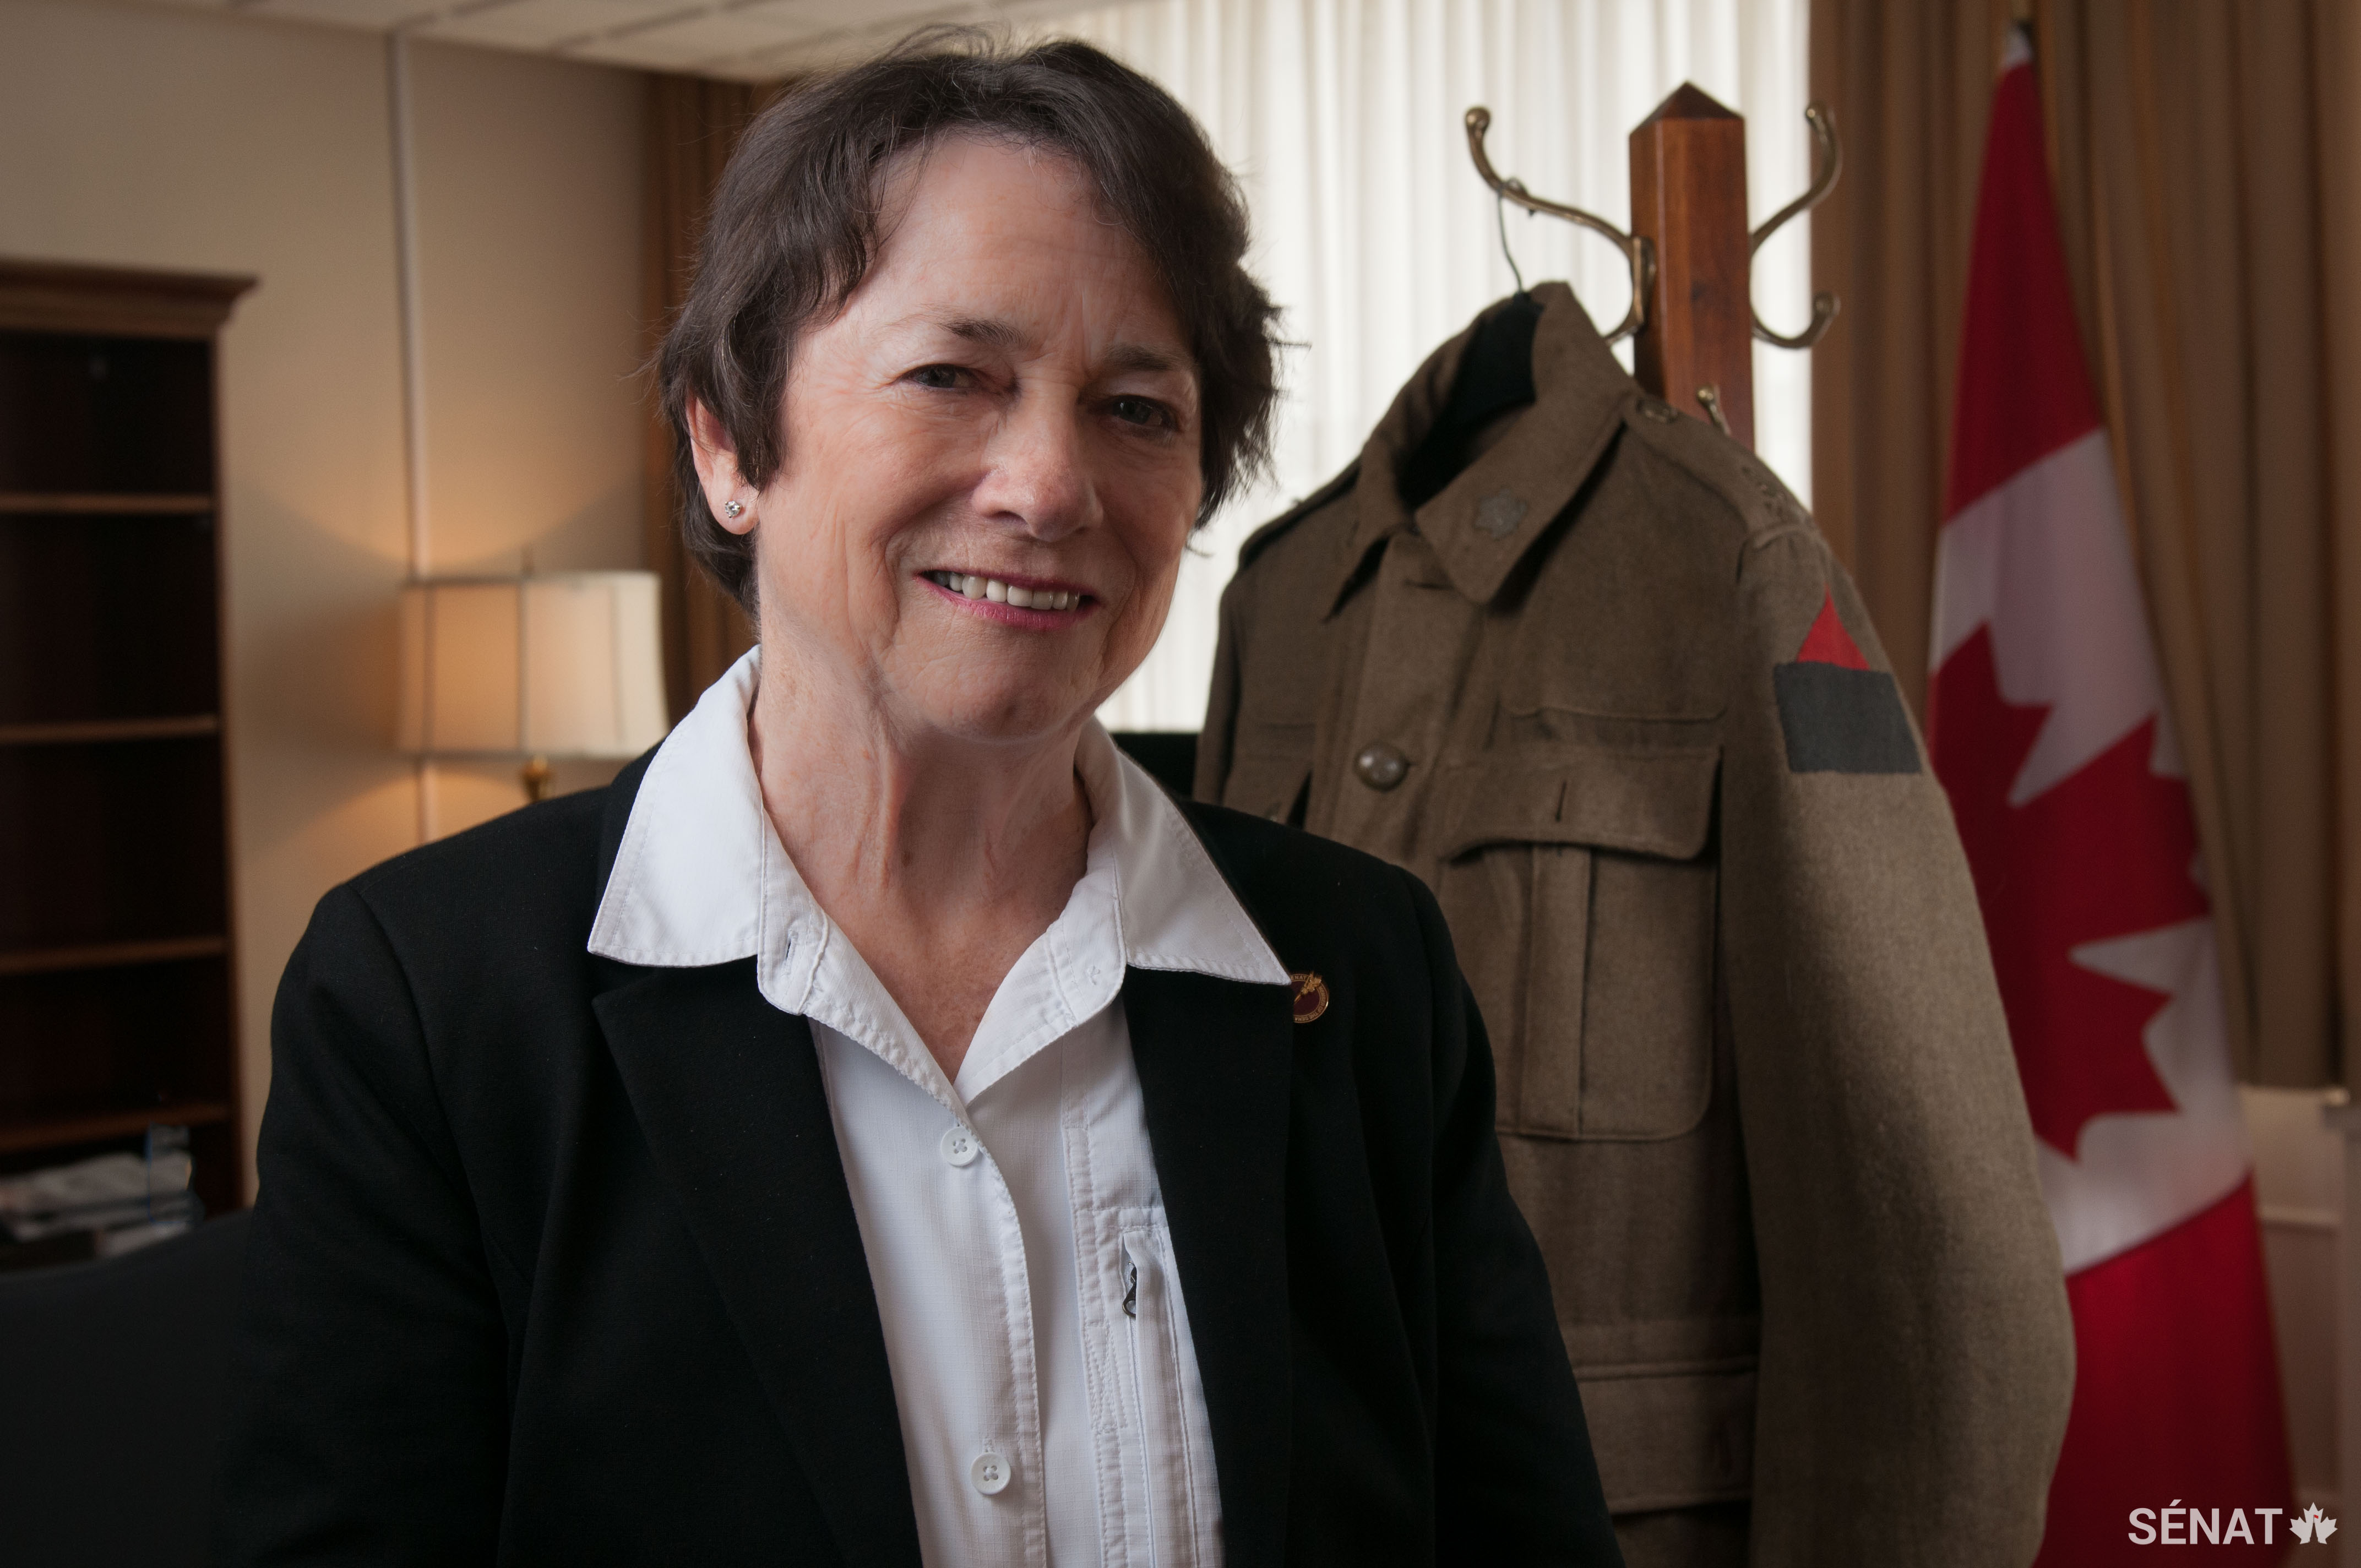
2109, 850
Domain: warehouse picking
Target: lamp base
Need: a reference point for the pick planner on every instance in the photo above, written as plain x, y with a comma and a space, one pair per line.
536, 776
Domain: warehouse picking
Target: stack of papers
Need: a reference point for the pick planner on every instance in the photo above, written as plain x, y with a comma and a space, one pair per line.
128, 1199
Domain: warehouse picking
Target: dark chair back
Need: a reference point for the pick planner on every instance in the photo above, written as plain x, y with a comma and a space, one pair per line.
113, 1387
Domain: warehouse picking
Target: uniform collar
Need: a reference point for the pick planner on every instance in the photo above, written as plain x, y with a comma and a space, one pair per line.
701, 879
1494, 510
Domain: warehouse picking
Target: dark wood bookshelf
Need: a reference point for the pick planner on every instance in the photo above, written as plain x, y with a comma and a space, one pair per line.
119, 1005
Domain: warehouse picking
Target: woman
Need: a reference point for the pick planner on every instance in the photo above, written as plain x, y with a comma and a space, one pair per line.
883, 1127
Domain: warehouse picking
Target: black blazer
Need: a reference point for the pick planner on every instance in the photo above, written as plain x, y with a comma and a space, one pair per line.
554, 1260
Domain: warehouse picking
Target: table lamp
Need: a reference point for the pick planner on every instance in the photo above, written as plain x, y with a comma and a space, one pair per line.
559, 664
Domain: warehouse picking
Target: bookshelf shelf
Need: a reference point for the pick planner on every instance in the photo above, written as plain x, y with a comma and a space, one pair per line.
64, 1132
69, 504
92, 731
112, 955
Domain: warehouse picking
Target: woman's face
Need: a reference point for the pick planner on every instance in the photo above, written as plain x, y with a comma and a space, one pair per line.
990, 457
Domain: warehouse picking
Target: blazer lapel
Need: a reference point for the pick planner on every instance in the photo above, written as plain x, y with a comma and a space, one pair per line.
1214, 1059
728, 1094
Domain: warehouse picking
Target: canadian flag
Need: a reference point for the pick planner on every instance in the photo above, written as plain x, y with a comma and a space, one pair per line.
2047, 727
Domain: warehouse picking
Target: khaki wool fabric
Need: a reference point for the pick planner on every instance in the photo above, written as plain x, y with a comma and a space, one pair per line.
1756, 1094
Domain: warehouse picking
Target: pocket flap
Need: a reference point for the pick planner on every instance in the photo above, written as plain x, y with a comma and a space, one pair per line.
1648, 801
1671, 1437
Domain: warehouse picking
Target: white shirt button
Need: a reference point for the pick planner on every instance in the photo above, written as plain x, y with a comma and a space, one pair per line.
960, 1147
990, 1473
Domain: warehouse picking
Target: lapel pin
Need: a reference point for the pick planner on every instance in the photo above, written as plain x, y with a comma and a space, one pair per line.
1311, 996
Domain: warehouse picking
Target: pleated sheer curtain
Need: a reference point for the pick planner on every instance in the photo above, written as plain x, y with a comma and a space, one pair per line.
1342, 119
2207, 157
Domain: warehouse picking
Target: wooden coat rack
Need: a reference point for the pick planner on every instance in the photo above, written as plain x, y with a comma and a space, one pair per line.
1691, 255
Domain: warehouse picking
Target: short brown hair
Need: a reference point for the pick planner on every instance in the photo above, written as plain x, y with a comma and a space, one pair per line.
795, 227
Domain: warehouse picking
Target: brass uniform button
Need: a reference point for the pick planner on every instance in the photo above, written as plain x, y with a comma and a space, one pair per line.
1381, 766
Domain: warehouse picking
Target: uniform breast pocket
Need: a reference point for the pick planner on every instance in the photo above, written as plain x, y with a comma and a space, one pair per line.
1580, 895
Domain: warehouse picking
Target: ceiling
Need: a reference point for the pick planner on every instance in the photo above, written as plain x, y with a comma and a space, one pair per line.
747, 41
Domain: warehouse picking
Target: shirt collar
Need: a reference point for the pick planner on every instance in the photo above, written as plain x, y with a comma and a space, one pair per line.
1494, 510
700, 878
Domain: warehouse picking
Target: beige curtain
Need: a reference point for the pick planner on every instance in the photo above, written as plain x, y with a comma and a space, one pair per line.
692, 126
2209, 187
1911, 83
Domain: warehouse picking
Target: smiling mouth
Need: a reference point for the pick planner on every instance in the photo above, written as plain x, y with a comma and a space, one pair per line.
993, 589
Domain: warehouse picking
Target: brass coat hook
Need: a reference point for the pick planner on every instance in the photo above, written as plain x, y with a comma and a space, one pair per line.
1831, 164
1635, 247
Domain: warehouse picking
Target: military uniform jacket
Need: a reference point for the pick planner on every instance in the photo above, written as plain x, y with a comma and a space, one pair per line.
1609, 692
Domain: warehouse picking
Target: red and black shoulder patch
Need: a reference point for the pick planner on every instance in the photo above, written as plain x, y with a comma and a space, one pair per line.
1839, 715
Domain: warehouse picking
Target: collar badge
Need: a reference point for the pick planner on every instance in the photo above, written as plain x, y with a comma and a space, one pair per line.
1311, 996
1498, 515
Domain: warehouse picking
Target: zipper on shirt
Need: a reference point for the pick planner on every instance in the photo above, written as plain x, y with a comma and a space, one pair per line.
1171, 1456
1140, 1376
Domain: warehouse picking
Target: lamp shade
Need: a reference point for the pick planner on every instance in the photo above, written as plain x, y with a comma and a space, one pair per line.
566, 665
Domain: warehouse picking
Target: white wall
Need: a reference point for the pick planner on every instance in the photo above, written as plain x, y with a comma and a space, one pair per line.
2299, 1187
180, 141
529, 237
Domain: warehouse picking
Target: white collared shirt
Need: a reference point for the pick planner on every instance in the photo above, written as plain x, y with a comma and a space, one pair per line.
1048, 1389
